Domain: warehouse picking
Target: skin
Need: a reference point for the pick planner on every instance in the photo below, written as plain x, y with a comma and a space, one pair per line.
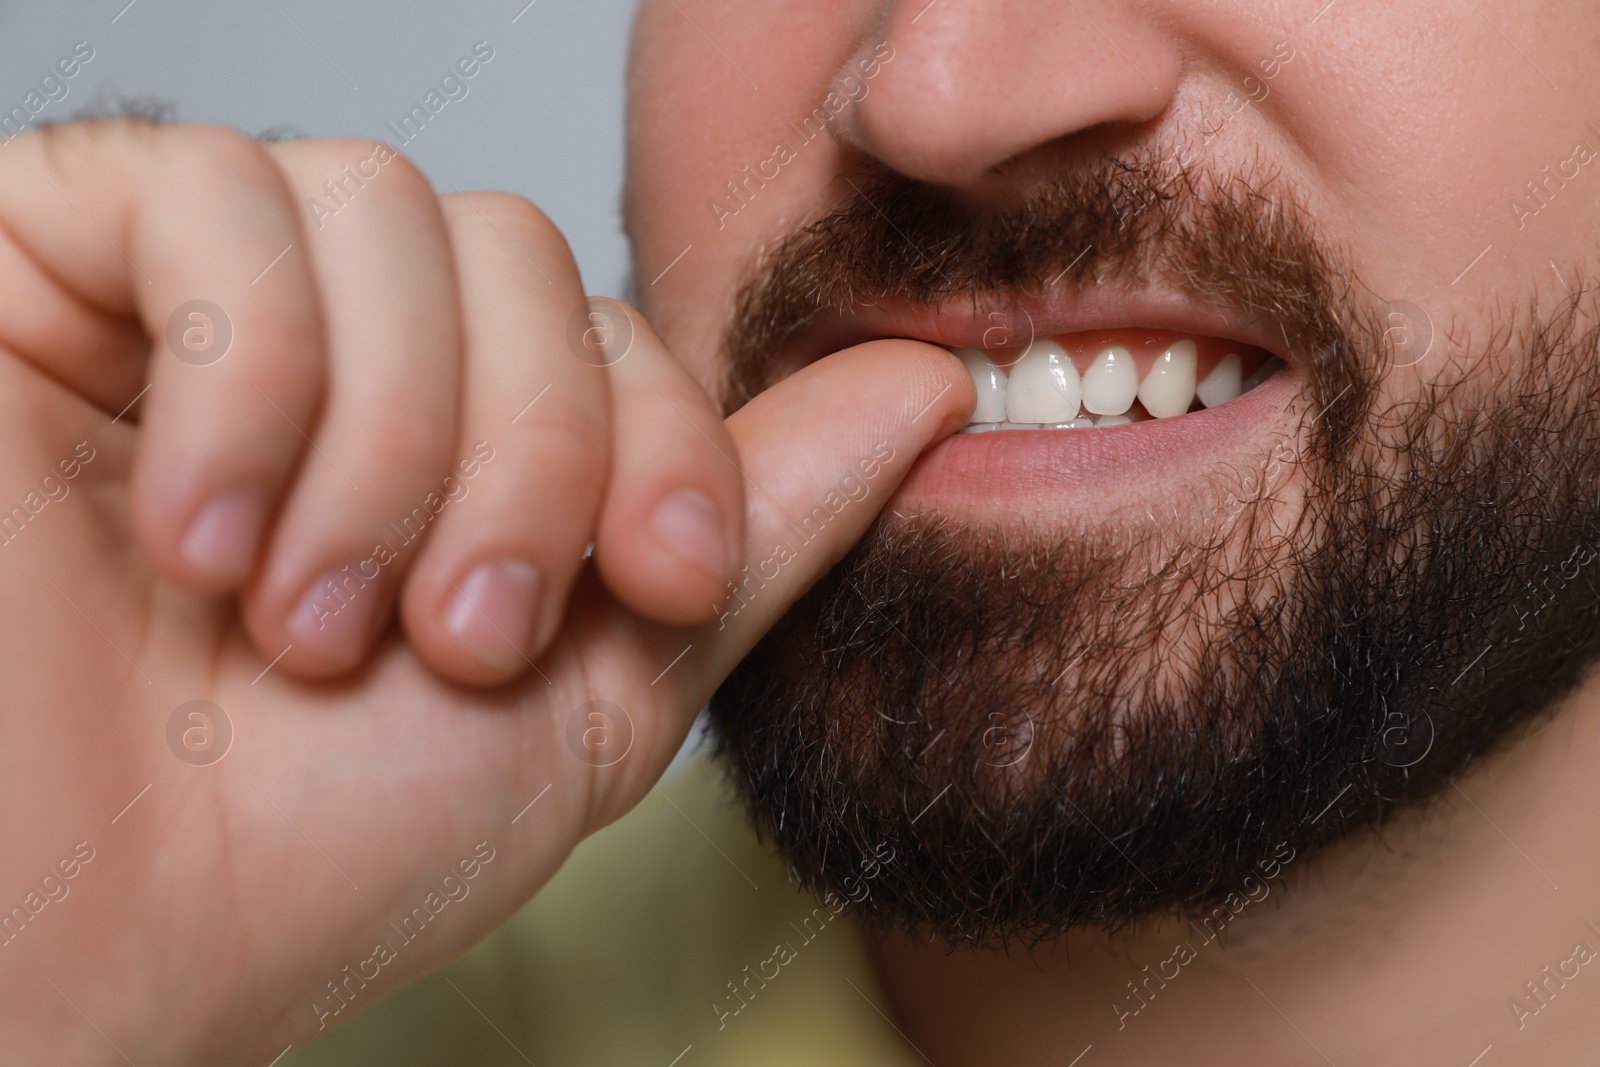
345, 794
425, 325
1405, 128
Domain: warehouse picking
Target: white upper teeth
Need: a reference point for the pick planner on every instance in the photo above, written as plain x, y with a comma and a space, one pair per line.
1111, 384
991, 384
1044, 390
1222, 384
1168, 389
1044, 386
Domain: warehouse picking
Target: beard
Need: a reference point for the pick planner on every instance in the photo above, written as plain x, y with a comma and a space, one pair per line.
1059, 731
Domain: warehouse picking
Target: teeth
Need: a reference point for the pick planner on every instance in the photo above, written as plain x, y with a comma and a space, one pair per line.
1265, 371
1222, 384
1111, 384
1168, 389
1044, 386
990, 382
1043, 389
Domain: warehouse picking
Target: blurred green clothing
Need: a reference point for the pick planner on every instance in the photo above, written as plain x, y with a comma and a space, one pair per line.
670, 939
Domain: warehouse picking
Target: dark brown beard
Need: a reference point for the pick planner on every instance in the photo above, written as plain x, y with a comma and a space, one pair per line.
1064, 733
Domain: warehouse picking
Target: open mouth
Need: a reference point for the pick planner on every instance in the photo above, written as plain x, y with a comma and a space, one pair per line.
1109, 378
1183, 394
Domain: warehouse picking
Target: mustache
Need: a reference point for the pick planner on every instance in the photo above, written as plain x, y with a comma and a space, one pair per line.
1243, 240
1059, 733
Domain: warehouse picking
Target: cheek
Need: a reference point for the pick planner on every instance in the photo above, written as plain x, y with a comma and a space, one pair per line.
696, 122
1419, 126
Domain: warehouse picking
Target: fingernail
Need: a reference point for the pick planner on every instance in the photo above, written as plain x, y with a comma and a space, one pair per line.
688, 523
335, 615
493, 611
222, 538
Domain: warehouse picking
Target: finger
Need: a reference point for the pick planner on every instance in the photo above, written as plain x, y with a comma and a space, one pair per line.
823, 452
137, 222
488, 592
372, 484
98, 354
671, 532
827, 447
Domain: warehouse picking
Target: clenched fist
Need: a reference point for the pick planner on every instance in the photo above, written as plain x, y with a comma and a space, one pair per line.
299, 618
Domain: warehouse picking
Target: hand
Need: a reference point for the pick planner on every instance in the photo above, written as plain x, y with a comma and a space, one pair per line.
185, 880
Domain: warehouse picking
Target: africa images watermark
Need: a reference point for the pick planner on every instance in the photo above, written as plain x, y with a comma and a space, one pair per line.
344, 988
199, 733
452, 87
1541, 596
340, 590
1170, 968
854, 486
599, 732
53, 888
856, 890
847, 90
340, 191
54, 87
1539, 193
52, 490
1256, 91
1542, 992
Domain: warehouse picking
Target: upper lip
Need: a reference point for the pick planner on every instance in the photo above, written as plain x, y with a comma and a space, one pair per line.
965, 322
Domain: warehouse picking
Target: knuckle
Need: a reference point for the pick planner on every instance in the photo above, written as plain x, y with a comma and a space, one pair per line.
217, 157
180, 158
408, 180
336, 158
88, 140
335, 168
323, 154
509, 213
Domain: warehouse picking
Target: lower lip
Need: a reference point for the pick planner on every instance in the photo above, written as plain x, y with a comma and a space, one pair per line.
994, 472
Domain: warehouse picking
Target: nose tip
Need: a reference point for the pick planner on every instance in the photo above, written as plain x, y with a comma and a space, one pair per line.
972, 84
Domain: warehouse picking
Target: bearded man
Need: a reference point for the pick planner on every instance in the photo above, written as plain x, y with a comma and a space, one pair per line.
1120, 476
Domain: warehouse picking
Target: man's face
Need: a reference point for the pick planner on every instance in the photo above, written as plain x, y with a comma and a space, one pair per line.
1089, 673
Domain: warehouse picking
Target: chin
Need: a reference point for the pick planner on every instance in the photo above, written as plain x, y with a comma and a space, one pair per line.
1067, 708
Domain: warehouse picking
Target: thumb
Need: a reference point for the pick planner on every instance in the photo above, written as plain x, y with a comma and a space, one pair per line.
822, 452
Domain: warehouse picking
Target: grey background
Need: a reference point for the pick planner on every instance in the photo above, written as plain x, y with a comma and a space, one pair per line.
543, 118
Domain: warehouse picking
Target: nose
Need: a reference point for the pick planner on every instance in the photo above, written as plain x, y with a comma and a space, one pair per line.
971, 84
